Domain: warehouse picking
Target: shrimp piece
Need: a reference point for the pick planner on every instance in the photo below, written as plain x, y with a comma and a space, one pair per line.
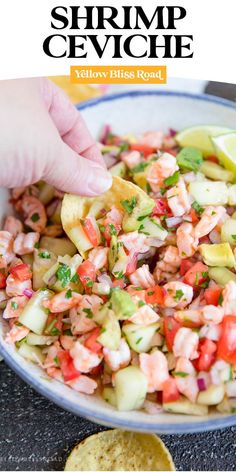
212, 315
15, 287
145, 315
15, 307
83, 384
35, 213
218, 370
164, 167
188, 386
212, 332
82, 316
67, 342
53, 231
153, 139
131, 159
16, 333
117, 359
52, 352
60, 303
178, 199
3, 299
135, 242
84, 359
187, 242
99, 256
6, 249
13, 226
184, 365
189, 316
142, 277
178, 295
135, 294
17, 192
186, 343
209, 219
155, 368
115, 215
55, 373
229, 298
170, 260
25, 243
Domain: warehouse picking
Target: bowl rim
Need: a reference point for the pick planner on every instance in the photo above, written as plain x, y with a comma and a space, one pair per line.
106, 419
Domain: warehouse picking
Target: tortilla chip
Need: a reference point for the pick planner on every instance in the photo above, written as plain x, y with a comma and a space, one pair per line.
120, 450
75, 208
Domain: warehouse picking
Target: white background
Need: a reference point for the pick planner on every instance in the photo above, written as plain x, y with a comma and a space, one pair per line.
24, 24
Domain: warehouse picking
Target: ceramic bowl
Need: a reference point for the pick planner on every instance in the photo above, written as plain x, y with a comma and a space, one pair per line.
130, 112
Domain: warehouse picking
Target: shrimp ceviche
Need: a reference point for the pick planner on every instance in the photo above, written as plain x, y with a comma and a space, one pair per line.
131, 294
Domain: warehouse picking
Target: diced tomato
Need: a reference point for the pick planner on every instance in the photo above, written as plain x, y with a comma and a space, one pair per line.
204, 240
87, 273
213, 158
196, 275
54, 324
111, 228
118, 283
171, 326
194, 216
143, 148
91, 342
132, 265
96, 371
170, 391
185, 265
154, 295
90, 231
2, 280
207, 355
21, 272
68, 369
161, 207
227, 341
212, 295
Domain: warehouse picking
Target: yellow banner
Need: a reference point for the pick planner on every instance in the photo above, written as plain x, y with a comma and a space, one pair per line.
118, 74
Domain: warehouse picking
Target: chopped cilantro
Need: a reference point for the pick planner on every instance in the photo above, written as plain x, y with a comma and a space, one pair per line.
75, 278
163, 190
56, 360
68, 293
129, 205
102, 228
89, 312
103, 330
151, 293
89, 284
148, 188
14, 305
204, 284
139, 340
180, 374
67, 332
112, 231
173, 179
138, 288
205, 275
233, 236
189, 158
63, 274
141, 303
178, 295
118, 275
140, 167
123, 147
221, 299
36, 246
54, 332
35, 217
197, 278
199, 210
44, 255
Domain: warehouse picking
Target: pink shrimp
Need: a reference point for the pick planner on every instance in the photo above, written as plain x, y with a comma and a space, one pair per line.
229, 298
60, 302
99, 256
187, 243
185, 365
83, 384
67, 341
164, 167
13, 225
51, 357
55, 373
16, 333
153, 139
3, 299
212, 332
84, 359
142, 277
17, 192
155, 368
170, 260
189, 316
209, 219
188, 386
135, 294
82, 316
34, 212
117, 359
178, 294
186, 343
131, 159
53, 231
16, 287
144, 315
135, 242
212, 315
114, 215
178, 199
25, 243
6, 249
217, 371
15, 307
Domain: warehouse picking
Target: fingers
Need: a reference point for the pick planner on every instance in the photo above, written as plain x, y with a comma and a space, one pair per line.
73, 173
70, 123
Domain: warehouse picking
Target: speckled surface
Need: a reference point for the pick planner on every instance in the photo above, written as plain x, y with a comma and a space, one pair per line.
35, 434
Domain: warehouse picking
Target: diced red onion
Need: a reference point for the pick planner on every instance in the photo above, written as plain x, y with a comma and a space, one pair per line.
155, 242
52, 207
28, 292
152, 408
168, 311
215, 236
201, 384
173, 221
104, 134
52, 280
172, 132
109, 160
230, 210
104, 278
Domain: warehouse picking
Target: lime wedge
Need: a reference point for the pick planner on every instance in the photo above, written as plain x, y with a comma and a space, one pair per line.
225, 146
200, 137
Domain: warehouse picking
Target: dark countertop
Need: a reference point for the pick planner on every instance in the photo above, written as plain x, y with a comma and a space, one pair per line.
35, 434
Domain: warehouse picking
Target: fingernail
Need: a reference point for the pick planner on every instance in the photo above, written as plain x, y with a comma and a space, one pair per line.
100, 180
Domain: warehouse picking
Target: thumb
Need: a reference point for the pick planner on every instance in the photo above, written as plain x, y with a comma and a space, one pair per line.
73, 173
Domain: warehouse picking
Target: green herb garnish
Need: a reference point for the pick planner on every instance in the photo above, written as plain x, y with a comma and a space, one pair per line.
44, 255
68, 293
221, 299
89, 313
129, 205
139, 167
233, 236
178, 295
173, 179
180, 374
63, 274
35, 217
141, 303
75, 278
139, 340
14, 305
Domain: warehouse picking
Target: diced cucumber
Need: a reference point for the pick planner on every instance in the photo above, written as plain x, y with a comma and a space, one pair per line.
28, 259
59, 246
109, 395
212, 396
46, 193
232, 195
31, 353
139, 337
220, 255
234, 216
122, 304
118, 169
110, 334
228, 405
39, 340
95, 209
130, 388
151, 227
209, 193
41, 265
143, 206
34, 315
221, 275
117, 258
228, 231
216, 172
185, 407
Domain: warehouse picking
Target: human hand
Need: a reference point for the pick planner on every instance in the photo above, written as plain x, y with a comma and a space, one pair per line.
43, 136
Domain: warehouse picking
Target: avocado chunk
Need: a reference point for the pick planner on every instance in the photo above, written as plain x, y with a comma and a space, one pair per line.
110, 334
221, 275
109, 395
135, 209
122, 304
117, 258
130, 388
228, 231
151, 227
220, 255
118, 170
